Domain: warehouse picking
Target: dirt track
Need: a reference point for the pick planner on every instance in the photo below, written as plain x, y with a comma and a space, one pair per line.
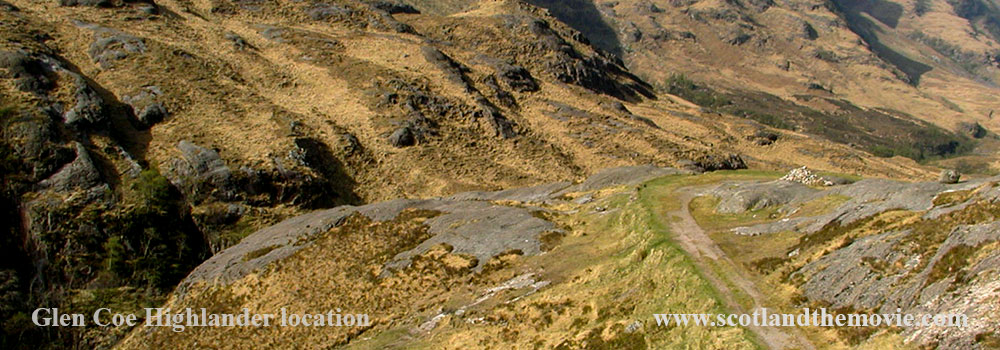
704, 252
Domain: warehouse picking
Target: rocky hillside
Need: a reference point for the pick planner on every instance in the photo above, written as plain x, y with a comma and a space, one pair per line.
142, 137
814, 66
874, 54
586, 265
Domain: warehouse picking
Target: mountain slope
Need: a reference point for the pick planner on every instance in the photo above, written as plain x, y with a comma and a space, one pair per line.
591, 263
142, 138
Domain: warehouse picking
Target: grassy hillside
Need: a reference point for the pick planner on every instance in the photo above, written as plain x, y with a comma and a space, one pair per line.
141, 138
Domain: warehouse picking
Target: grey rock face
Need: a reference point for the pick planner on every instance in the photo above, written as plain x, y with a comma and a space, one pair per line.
393, 7
469, 223
28, 73
901, 269
146, 106
738, 198
110, 45
88, 108
199, 172
844, 279
867, 197
475, 228
480, 229
852, 277
78, 174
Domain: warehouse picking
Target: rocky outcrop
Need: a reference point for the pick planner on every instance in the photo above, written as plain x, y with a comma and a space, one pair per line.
393, 7
712, 162
453, 71
200, 172
104, 3
88, 108
146, 106
111, 45
876, 273
887, 247
29, 73
738, 198
492, 121
78, 174
516, 77
866, 198
326, 11
598, 72
471, 223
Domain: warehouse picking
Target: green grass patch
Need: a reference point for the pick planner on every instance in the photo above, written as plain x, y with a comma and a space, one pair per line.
821, 205
680, 85
703, 210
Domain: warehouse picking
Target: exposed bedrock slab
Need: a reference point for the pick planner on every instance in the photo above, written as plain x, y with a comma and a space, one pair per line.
469, 222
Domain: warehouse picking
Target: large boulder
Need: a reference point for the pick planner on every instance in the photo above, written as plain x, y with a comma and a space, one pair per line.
28, 73
949, 176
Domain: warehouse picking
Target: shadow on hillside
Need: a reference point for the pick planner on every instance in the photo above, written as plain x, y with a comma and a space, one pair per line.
884, 11
887, 13
584, 16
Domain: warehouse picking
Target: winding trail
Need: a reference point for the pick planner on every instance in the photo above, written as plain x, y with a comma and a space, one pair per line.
703, 251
